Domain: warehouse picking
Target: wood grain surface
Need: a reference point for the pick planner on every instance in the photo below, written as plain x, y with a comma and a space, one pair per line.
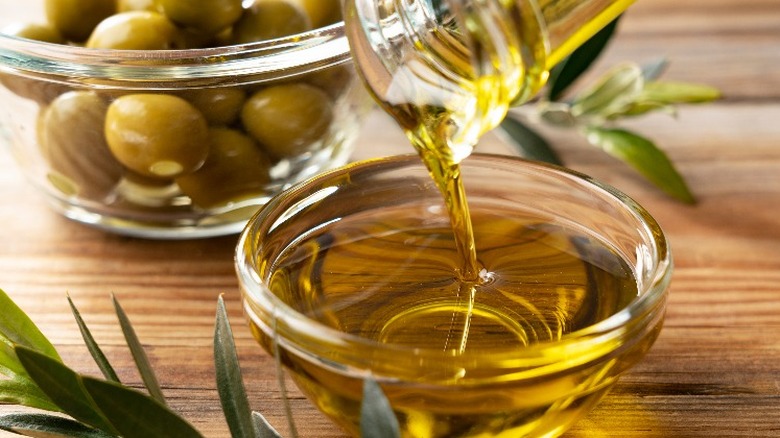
714, 371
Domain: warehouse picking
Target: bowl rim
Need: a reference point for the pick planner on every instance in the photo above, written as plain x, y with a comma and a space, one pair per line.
647, 307
274, 59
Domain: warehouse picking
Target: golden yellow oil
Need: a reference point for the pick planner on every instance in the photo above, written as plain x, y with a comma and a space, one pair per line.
391, 276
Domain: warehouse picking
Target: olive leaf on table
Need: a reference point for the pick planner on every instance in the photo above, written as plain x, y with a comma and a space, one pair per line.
626, 90
33, 375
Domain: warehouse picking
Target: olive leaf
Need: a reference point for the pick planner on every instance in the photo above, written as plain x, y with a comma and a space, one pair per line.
263, 429
376, 415
92, 346
527, 142
653, 70
572, 67
230, 385
9, 363
139, 355
643, 155
616, 90
18, 328
48, 426
678, 92
134, 414
663, 95
23, 392
63, 386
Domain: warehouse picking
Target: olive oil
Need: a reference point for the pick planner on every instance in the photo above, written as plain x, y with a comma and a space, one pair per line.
391, 275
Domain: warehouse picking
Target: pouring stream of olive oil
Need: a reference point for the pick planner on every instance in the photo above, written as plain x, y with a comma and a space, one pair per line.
448, 72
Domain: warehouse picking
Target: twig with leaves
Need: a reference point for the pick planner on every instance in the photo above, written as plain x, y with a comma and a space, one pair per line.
83, 406
626, 90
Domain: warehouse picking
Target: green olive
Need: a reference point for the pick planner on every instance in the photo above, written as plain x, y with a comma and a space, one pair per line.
288, 119
136, 30
321, 12
333, 80
235, 169
34, 31
75, 19
157, 135
135, 5
269, 19
210, 16
220, 106
38, 90
70, 133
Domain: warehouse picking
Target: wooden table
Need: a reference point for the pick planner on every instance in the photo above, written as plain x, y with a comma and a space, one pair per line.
715, 370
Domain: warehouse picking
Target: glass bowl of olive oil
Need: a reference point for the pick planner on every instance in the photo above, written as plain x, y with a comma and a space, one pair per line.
356, 273
175, 119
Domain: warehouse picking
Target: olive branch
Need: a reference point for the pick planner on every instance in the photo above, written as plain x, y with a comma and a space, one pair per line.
626, 90
82, 406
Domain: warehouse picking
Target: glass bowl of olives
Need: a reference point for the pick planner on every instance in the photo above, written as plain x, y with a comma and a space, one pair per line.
175, 119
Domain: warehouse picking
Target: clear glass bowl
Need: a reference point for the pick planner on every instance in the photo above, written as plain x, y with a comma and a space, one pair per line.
68, 161
352, 274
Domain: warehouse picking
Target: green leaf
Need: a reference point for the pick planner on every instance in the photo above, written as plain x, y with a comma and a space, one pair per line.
641, 154
556, 114
92, 346
678, 92
139, 355
263, 429
567, 71
23, 392
9, 363
48, 426
652, 71
230, 386
617, 89
641, 107
528, 143
377, 419
135, 414
17, 327
63, 386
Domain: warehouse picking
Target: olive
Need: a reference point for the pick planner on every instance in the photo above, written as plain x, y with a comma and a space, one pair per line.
235, 169
70, 133
269, 19
34, 31
321, 12
157, 135
75, 19
220, 106
333, 80
136, 30
135, 5
210, 16
40, 91
288, 119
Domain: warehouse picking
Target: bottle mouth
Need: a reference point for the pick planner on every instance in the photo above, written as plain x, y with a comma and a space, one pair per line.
238, 64
311, 339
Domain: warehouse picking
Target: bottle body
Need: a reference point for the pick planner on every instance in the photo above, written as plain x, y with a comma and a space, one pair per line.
448, 70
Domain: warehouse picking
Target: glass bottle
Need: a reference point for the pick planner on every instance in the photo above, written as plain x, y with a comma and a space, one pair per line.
448, 70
